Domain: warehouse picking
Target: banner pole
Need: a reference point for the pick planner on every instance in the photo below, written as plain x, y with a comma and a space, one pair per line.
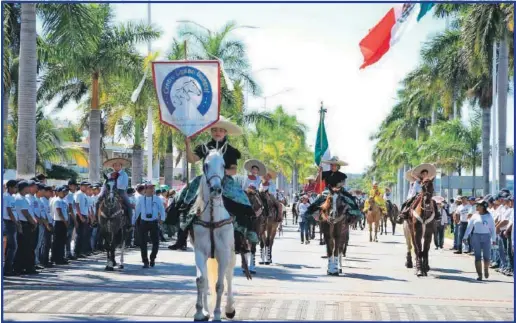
187, 168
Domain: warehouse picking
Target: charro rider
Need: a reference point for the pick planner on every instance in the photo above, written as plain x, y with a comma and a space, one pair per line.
267, 185
235, 199
335, 181
122, 182
419, 174
311, 186
378, 199
256, 170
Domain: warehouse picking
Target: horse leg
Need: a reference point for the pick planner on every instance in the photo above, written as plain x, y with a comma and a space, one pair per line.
271, 236
230, 301
122, 249
417, 237
252, 263
338, 247
262, 248
376, 229
202, 284
370, 224
393, 223
223, 260
426, 248
408, 241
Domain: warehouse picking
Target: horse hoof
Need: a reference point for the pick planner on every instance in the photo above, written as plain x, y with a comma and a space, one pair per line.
419, 273
261, 263
340, 271
204, 319
408, 265
109, 268
425, 274
121, 267
231, 315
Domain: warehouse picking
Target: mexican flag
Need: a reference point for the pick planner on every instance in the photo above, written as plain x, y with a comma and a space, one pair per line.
322, 151
390, 29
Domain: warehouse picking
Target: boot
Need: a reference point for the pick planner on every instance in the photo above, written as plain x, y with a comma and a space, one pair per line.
486, 269
330, 265
478, 267
182, 237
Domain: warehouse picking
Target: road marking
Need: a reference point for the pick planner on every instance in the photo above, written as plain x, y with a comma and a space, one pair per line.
164, 307
130, 303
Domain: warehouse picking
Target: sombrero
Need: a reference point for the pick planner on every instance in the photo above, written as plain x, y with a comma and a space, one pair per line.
408, 176
230, 127
432, 171
272, 173
249, 164
335, 160
311, 177
438, 199
109, 163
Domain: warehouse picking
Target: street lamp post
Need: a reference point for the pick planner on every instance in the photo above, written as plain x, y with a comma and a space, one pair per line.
275, 94
247, 82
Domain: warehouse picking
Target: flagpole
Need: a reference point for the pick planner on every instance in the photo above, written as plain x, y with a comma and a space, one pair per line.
322, 111
149, 111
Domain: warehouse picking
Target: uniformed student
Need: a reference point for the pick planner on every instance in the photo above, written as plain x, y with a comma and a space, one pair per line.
11, 226
61, 215
81, 231
44, 226
95, 232
72, 219
45, 200
32, 197
150, 210
24, 259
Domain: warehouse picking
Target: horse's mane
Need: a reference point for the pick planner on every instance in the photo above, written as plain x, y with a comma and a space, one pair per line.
199, 203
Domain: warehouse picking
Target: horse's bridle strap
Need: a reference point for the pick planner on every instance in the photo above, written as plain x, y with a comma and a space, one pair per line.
213, 225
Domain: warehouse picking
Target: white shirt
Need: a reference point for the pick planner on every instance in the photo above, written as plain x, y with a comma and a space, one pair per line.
387, 197
463, 211
8, 202
482, 224
271, 187
252, 182
122, 181
70, 199
34, 205
506, 215
412, 191
81, 199
444, 217
453, 208
21, 203
45, 209
303, 207
149, 205
59, 203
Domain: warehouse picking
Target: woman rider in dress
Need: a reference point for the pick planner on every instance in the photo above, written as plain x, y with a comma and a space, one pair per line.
235, 199
335, 181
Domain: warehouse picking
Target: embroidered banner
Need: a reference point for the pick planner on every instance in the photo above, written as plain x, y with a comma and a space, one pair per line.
188, 94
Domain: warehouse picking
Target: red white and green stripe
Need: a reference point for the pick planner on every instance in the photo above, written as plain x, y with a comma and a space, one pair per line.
322, 148
390, 29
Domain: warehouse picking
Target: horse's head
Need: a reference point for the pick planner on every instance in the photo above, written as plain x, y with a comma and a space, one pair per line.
110, 188
213, 169
371, 201
427, 188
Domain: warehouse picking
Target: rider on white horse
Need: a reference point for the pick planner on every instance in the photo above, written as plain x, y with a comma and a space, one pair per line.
235, 200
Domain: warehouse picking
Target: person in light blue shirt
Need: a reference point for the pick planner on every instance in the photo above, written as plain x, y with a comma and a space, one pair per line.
24, 259
122, 182
150, 210
482, 223
83, 212
11, 225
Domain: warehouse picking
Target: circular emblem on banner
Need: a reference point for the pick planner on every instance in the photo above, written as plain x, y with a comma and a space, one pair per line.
185, 87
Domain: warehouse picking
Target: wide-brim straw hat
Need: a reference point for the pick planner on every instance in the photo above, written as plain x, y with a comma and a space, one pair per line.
229, 126
249, 164
408, 176
311, 177
432, 171
272, 173
438, 199
334, 160
110, 162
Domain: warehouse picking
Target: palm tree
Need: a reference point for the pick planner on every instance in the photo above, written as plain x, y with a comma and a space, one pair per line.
108, 53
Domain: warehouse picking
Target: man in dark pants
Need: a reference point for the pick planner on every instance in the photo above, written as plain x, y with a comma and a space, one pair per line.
24, 261
72, 219
151, 211
140, 192
11, 225
463, 210
61, 223
81, 231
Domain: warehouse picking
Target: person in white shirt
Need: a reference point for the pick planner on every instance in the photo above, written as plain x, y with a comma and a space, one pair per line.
72, 220
255, 170
463, 211
39, 212
481, 224
60, 213
504, 217
24, 259
11, 226
83, 214
267, 184
440, 225
151, 212
303, 220
46, 193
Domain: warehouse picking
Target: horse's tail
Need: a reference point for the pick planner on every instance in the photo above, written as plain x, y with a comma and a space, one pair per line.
213, 267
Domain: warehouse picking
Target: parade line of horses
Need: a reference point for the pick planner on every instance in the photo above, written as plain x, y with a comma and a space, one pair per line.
214, 243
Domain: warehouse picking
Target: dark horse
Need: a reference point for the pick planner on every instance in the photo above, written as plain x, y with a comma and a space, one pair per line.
272, 216
420, 212
332, 219
392, 214
258, 207
295, 212
112, 223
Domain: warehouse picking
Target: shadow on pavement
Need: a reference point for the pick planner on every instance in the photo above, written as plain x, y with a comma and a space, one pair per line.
391, 242
448, 270
458, 278
296, 266
371, 277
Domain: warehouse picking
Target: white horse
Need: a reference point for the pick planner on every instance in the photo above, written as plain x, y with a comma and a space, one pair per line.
214, 242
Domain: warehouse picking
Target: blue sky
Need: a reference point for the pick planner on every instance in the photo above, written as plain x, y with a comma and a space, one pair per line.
315, 48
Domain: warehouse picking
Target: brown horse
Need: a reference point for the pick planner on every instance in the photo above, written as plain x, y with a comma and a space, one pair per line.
374, 215
271, 217
392, 214
421, 213
332, 219
258, 207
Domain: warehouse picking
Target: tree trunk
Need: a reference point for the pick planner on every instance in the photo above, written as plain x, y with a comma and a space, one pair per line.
5, 117
26, 140
185, 165
486, 147
474, 174
459, 173
502, 108
137, 162
94, 131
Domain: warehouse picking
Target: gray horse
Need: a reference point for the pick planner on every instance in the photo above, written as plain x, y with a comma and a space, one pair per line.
112, 223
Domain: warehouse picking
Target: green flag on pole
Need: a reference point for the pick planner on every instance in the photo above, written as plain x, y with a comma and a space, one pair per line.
424, 8
321, 144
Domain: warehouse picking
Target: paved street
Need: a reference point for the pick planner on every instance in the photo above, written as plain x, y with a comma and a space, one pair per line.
375, 285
